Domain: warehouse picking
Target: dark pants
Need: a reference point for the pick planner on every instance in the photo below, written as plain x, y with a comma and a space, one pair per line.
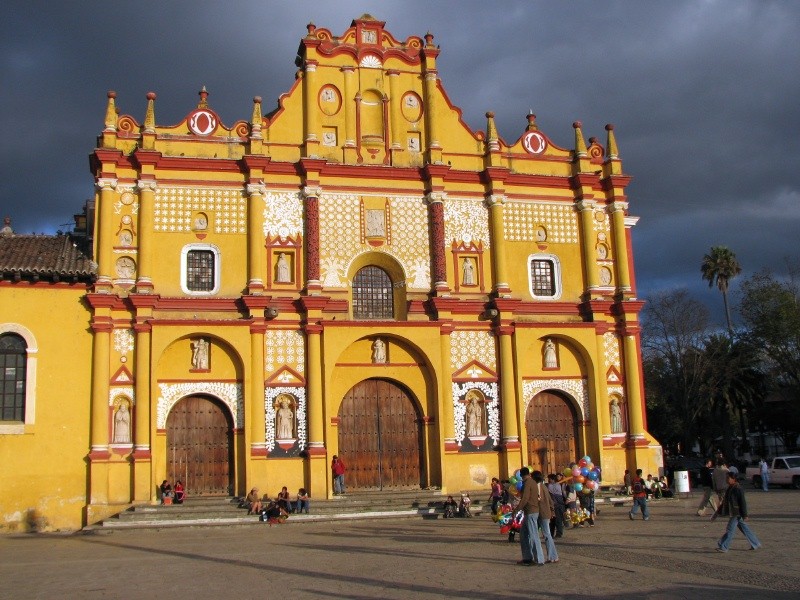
557, 522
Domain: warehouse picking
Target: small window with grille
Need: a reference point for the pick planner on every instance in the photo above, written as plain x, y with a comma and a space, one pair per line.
13, 361
544, 276
373, 294
200, 266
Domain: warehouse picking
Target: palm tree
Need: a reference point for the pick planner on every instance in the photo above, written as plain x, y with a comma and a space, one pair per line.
720, 266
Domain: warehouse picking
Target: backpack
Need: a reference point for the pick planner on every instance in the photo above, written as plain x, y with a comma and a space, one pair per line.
638, 486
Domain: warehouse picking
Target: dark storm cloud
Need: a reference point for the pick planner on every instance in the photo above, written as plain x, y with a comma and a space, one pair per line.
704, 97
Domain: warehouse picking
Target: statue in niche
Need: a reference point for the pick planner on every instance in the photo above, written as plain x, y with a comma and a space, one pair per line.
284, 419
376, 223
200, 349
468, 275
122, 425
378, 352
474, 415
282, 274
550, 357
616, 417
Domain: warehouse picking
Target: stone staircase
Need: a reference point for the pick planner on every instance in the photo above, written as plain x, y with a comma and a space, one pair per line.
215, 511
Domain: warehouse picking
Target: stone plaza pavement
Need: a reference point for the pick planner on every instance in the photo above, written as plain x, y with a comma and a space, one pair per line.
670, 556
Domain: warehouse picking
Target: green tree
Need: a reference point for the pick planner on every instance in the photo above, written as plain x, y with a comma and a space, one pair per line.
674, 326
720, 266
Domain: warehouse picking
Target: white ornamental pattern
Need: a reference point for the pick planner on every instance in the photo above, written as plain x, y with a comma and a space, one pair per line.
460, 409
300, 417
339, 229
521, 220
601, 222
466, 346
577, 388
116, 392
171, 393
611, 349
284, 347
466, 220
123, 341
283, 214
410, 240
225, 207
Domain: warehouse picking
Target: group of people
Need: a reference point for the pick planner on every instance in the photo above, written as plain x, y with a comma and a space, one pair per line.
281, 506
170, 495
461, 509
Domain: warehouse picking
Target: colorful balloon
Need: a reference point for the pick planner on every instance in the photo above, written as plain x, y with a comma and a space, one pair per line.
578, 487
568, 472
593, 475
519, 485
576, 471
582, 463
590, 465
579, 479
585, 471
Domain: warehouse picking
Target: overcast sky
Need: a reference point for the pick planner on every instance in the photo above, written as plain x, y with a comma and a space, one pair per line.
704, 96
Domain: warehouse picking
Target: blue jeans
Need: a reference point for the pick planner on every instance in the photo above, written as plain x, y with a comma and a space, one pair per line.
764, 481
637, 502
302, 504
338, 484
529, 539
552, 554
733, 523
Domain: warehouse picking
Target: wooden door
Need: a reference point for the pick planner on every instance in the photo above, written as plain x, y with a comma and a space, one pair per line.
200, 446
552, 429
380, 438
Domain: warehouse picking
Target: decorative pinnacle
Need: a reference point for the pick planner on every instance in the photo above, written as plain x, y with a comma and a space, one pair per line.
203, 98
311, 28
150, 115
532, 126
611, 145
429, 39
580, 144
111, 112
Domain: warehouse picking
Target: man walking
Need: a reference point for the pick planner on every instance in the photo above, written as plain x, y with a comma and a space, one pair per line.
529, 534
719, 479
338, 469
709, 497
639, 497
734, 506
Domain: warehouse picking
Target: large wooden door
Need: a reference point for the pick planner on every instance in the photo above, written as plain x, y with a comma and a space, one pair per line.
380, 440
200, 446
552, 429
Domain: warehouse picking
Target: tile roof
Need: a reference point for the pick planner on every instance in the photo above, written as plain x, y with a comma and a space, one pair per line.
49, 257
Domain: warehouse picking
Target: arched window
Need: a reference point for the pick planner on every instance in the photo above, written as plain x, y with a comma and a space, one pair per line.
13, 363
373, 294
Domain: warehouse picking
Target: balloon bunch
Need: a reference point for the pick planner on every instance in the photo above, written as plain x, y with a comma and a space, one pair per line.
585, 476
507, 520
577, 517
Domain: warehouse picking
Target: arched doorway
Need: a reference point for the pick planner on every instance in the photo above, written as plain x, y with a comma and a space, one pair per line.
552, 428
200, 446
380, 440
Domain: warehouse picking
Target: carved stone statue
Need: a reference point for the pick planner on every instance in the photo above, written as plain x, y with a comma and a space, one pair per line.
550, 357
376, 223
379, 352
282, 274
616, 417
474, 415
468, 276
284, 420
122, 425
200, 354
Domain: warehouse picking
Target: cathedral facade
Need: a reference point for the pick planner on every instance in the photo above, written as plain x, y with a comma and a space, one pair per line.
356, 273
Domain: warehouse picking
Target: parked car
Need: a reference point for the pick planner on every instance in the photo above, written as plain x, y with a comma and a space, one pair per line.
783, 470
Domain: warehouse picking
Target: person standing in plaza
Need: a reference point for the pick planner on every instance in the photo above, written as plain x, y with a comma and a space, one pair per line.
709, 497
639, 496
545, 514
338, 469
763, 469
529, 535
559, 506
734, 506
719, 479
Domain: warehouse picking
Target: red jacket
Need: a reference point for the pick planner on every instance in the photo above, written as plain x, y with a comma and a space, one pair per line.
337, 466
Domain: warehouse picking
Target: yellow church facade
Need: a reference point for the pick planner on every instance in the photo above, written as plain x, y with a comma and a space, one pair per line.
356, 273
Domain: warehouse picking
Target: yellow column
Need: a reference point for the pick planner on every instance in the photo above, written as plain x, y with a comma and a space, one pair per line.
258, 446
99, 454
105, 233
620, 241
144, 281
495, 203
311, 90
633, 388
586, 209
510, 409
349, 115
394, 112
144, 480
255, 238
432, 117
319, 474
446, 389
